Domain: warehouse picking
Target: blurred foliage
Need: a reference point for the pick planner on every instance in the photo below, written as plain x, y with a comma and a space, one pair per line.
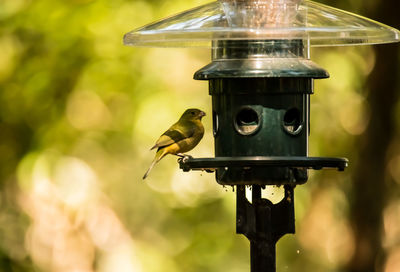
79, 112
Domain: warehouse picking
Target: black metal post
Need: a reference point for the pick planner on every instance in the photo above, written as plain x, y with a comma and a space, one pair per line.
264, 223
262, 247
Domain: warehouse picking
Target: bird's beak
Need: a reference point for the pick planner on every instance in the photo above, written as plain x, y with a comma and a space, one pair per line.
202, 114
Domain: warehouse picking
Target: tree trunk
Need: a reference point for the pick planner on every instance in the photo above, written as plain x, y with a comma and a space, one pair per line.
369, 186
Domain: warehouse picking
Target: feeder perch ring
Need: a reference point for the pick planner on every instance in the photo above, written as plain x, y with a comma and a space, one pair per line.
211, 164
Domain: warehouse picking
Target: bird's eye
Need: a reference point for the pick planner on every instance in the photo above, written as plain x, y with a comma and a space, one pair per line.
193, 113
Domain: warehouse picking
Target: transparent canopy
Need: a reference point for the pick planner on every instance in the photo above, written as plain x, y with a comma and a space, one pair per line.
315, 23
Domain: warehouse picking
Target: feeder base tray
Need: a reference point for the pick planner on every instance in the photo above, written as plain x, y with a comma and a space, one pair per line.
261, 170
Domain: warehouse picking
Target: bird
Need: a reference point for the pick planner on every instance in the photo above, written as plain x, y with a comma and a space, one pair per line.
181, 137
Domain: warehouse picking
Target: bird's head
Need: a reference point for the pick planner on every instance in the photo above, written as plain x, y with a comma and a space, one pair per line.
193, 114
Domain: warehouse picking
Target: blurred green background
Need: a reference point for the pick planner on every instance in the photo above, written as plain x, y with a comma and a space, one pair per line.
79, 112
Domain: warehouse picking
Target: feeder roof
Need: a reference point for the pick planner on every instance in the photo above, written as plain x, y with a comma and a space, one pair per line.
318, 24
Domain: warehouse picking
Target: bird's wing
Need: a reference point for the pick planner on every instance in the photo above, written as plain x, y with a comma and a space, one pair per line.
174, 134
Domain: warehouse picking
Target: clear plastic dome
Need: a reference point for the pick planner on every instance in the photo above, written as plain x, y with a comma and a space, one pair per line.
315, 23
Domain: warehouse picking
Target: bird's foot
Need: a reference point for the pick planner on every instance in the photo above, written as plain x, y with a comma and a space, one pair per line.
183, 157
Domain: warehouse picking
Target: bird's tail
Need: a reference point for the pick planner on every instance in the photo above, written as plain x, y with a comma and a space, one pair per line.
159, 155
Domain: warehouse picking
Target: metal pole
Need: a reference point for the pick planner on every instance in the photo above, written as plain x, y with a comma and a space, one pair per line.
262, 247
264, 223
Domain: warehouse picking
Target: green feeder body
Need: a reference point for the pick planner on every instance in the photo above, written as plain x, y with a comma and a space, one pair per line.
260, 99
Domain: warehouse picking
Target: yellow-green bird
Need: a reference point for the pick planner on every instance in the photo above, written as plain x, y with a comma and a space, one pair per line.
181, 137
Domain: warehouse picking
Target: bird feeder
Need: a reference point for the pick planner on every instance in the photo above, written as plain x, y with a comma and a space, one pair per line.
260, 81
